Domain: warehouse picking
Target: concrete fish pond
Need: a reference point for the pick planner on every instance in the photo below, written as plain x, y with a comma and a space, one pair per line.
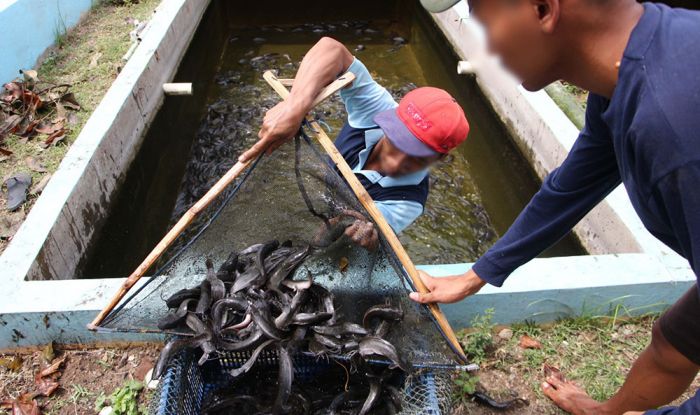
465, 212
287, 328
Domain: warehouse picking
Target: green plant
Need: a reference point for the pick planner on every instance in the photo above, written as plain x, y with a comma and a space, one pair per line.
79, 393
124, 400
60, 29
466, 383
479, 340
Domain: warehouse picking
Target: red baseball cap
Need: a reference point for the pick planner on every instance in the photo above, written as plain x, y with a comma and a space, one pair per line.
427, 122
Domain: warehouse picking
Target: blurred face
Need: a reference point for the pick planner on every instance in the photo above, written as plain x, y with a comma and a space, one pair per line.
394, 162
520, 33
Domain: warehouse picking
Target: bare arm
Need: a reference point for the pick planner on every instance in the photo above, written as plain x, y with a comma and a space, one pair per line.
321, 65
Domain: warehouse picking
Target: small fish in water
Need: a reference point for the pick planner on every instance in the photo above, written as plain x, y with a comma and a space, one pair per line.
398, 40
259, 40
359, 48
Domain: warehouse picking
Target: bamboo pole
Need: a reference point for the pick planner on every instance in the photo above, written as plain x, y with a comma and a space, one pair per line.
192, 213
368, 203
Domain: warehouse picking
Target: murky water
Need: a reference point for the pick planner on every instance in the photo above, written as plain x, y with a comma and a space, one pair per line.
475, 193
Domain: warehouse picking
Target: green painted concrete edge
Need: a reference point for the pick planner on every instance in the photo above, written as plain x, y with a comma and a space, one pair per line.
543, 290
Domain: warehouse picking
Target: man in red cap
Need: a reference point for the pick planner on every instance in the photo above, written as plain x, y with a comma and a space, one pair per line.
389, 146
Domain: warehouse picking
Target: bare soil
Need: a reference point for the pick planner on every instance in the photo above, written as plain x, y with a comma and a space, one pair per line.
596, 353
86, 374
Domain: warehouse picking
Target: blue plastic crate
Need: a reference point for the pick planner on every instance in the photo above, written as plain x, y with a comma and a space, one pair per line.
186, 386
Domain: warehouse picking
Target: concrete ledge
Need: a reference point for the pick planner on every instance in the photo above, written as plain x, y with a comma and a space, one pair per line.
547, 289
44, 311
542, 290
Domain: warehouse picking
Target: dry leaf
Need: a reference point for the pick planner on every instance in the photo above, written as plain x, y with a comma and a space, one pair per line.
50, 128
14, 364
48, 353
13, 91
54, 138
60, 110
32, 102
343, 264
27, 128
35, 165
25, 404
68, 100
45, 385
53, 367
527, 342
39, 187
9, 125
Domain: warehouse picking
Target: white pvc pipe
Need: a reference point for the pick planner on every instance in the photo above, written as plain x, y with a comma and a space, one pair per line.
180, 88
465, 68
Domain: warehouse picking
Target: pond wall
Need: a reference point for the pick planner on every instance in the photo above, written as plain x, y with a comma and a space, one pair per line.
31, 26
631, 270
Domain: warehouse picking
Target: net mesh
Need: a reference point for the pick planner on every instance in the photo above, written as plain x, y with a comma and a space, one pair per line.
188, 389
293, 195
288, 196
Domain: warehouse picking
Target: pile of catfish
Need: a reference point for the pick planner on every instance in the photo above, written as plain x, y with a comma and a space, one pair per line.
253, 303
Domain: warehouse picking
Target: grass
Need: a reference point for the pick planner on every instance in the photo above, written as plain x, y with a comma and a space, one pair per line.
478, 341
593, 351
124, 400
596, 351
89, 57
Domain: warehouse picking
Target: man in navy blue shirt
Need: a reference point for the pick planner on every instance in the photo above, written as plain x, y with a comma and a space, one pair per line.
388, 145
641, 64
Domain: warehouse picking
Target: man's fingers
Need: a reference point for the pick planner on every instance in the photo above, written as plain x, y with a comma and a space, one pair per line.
252, 152
365, 230
274, 146
423, 298
351, 230
374, 238
428, 280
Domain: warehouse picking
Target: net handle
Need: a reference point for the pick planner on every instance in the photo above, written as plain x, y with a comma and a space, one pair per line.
368, 204
192, 213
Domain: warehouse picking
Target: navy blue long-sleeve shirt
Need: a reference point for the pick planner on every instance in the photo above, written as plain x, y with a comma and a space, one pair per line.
646, 136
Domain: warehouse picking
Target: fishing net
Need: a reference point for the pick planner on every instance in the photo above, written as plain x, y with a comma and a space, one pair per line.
295, 197
287, 196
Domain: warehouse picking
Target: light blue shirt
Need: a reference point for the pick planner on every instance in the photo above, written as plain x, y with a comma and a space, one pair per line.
363, 100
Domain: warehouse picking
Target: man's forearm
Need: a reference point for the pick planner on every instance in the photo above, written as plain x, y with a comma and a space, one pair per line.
323, 63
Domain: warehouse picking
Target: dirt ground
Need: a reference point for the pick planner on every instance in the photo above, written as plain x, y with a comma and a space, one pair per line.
86, 376
88, 58
595, 352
